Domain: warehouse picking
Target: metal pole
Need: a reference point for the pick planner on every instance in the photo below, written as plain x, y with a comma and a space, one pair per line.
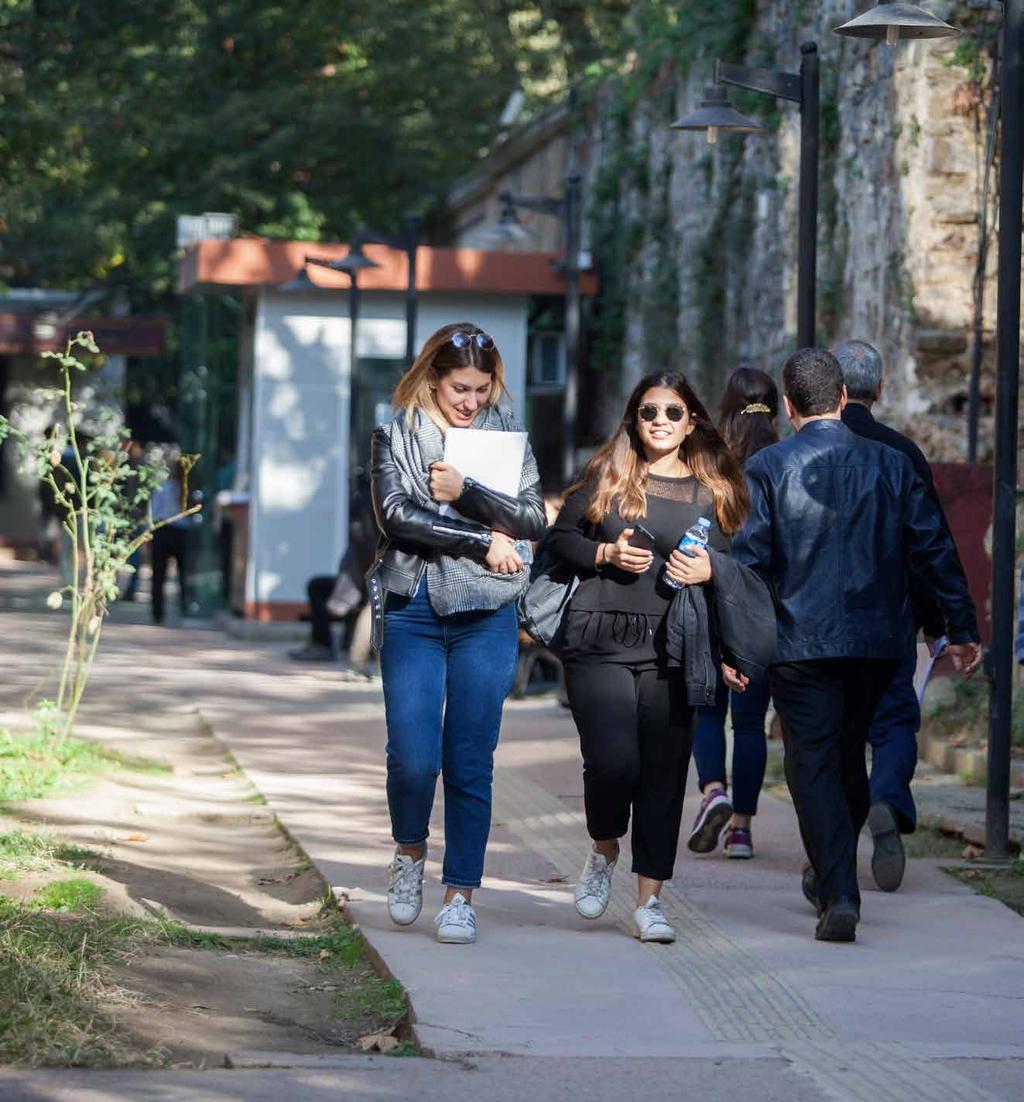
412, 240
572, 326
810, 112
997, 799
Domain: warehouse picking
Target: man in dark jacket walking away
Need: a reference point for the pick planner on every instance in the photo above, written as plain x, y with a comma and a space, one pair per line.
835, 521
893, 732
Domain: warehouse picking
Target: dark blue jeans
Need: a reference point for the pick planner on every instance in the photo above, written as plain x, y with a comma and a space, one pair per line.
893, 739
445, 681
749, 747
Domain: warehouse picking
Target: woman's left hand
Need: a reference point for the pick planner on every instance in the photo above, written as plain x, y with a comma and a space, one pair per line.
445, 483
693, 568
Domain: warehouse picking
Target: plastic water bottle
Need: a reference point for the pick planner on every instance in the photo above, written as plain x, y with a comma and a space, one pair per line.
697, 536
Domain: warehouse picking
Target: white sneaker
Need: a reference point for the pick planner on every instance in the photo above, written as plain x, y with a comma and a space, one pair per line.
595, 886
651, 924
456, 922
405, 888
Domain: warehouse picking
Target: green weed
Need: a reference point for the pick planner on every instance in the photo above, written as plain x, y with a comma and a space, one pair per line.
76, 895
22, 851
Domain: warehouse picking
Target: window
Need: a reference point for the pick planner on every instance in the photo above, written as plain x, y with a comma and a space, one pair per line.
547, 362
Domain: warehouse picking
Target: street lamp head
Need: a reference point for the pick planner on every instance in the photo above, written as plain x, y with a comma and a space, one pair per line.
508, 227
716, 113
299, 283
355, 260
895, 21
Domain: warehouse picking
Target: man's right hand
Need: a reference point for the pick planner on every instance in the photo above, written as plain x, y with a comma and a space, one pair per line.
630, 559
966, 657
502, 557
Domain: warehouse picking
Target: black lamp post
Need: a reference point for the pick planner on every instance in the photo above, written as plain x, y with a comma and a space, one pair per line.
716, 114
879, 23
567, 208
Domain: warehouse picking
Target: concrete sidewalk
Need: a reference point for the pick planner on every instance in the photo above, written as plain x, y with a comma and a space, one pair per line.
927, 1005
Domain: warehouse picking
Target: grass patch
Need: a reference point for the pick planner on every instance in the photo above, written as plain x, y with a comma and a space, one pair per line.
925, 842
52, 979
22, 851
54, 971
75, 895
1006, 885
33, 765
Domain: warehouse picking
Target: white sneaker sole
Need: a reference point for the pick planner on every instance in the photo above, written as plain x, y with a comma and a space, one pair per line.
455, 938
663, 938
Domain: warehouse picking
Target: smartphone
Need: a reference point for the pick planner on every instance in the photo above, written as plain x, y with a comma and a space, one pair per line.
642, 538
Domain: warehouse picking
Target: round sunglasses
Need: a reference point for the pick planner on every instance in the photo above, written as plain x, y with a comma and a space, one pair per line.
483, 341
649, 411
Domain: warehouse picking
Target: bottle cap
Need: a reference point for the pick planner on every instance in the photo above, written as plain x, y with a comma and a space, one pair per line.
704, 521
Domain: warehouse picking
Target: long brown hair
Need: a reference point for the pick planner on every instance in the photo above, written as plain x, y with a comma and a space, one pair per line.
749, 407
619, 470
438, 356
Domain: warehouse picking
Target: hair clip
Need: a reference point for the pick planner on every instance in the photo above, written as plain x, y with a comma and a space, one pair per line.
756, 407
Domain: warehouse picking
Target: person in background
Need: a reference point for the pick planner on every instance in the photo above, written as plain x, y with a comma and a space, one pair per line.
171, 540
831, 512
444, 588
342, 595
135, 454
665, 467
749, 409
893, 731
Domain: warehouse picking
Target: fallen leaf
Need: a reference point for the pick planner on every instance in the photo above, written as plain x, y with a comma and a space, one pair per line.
324, 954
378, 1042
134, 838
971, 853
555, 880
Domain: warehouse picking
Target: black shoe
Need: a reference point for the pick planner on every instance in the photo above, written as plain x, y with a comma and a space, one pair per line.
809, 886
888, 861
839, 921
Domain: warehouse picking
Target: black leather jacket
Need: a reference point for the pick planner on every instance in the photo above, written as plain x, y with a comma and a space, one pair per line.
412, 536
836, 523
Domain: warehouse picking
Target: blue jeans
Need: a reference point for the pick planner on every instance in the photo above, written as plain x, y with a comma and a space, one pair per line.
445, 681
893, 739
749, 747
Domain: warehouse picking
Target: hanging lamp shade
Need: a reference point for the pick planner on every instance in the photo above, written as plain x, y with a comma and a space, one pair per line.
716, 113
299, 282
508, 227
895, 21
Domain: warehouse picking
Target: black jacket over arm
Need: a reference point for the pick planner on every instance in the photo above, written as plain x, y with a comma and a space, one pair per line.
837, 523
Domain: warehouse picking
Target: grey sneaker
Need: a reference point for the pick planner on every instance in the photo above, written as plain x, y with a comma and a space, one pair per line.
312, 652
595, 886
456, 922
405, 888
651, 924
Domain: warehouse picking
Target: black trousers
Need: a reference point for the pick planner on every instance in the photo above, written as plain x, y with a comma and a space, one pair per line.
636, 731
169, 542
826, 707
318, 590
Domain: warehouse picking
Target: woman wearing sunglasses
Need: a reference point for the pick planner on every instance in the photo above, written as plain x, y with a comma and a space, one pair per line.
664, 468
749, 408
444, 588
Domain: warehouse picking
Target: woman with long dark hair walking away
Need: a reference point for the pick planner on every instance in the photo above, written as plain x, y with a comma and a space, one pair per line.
749, 410
444, 588
666, 470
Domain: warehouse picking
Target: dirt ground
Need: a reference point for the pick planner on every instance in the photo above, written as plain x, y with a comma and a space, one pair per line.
188, 839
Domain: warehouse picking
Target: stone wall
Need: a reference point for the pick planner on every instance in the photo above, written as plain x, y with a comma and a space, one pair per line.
697, 243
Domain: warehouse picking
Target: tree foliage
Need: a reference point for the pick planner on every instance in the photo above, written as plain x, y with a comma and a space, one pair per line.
304, 117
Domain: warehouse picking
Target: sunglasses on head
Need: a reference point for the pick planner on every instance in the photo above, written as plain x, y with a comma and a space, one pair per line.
463, 340
649, 411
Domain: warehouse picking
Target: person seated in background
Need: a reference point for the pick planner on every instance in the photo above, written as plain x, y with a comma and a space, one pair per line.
341, 596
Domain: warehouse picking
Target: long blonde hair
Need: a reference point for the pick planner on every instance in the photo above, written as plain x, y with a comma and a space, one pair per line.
438, 356
619, 470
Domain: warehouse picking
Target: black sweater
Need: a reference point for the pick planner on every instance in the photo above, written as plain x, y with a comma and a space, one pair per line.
673, 506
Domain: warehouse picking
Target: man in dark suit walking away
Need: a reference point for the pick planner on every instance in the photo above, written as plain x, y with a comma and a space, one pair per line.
893, 732
836, 521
